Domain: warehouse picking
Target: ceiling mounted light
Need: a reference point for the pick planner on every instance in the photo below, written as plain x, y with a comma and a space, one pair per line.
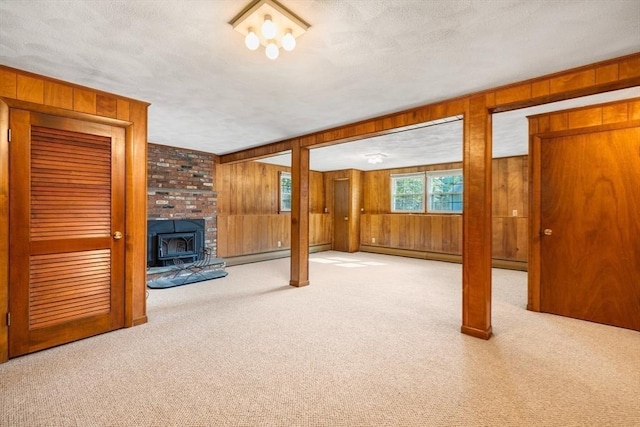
268, 27
288, 41
252, 41
272, 50
375, 158
279, 27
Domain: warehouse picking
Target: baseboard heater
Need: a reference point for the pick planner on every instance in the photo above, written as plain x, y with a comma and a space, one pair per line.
436, 256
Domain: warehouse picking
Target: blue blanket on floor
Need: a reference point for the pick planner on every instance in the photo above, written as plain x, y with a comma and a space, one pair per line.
170, 282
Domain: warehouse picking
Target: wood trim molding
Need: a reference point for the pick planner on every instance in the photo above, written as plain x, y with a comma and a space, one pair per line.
4, 231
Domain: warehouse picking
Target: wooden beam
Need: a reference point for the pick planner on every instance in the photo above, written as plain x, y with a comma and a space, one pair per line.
476, 223
258, 152
299, 216
136, 219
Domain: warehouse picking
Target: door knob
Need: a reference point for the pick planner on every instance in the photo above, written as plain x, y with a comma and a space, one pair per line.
548, 232
117, 235
346, 218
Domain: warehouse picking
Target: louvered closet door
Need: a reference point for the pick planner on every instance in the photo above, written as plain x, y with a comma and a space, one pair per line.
66, 203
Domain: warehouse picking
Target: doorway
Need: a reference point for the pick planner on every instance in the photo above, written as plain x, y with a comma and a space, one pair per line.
585, 246
67, 212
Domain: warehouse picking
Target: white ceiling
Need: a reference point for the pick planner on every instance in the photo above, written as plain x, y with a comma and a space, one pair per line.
359, 59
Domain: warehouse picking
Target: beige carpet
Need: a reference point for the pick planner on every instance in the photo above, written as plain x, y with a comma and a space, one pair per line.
373, 341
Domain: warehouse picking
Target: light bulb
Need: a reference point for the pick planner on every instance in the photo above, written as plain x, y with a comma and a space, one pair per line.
268, 27
288, 41
272, 50
251, 40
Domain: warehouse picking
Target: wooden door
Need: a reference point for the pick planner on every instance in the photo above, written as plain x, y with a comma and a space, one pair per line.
590, 226
341, 215
66, 207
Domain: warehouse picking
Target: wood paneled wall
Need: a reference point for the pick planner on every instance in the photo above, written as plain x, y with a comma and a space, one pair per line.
248, 218
443, 233
25, 90
510, 208
256, 229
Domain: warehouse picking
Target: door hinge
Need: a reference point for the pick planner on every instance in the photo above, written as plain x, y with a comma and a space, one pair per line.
8, 319
9, 135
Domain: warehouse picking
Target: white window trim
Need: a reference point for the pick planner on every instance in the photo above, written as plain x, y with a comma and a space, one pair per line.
393, 195
281, 175
438, 173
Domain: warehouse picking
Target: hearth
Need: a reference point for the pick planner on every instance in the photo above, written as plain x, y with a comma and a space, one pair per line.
168, 240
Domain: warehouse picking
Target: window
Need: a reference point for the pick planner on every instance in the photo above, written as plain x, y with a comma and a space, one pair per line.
285, 192
407, 192
444, 191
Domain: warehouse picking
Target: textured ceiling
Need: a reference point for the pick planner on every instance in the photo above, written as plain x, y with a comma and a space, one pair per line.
359, 59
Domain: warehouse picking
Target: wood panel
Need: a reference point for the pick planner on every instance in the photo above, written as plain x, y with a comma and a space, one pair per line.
67, 170
253, 234
8, 83
30, 89
427, 233
136, 215
510, 193
251, 188
58, 95
603, 114
4, 224
75, 288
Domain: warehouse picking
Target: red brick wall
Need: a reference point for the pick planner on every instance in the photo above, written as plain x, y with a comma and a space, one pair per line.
180, 185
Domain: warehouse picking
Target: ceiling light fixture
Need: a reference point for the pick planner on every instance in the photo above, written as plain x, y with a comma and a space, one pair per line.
279, 27
375, 158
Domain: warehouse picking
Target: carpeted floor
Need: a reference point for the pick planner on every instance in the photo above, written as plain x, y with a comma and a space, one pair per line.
373, 341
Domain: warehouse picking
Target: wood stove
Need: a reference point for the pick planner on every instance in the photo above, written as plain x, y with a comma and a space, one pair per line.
168, 240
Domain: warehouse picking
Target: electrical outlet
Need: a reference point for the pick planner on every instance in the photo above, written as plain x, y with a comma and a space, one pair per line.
514, 212
279, 243
373, 240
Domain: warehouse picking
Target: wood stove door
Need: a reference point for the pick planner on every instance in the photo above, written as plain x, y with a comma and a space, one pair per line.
66, 213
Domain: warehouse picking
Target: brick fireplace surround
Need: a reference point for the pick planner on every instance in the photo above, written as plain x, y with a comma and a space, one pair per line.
180, 186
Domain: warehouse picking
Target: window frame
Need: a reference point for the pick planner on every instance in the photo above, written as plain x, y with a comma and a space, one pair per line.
441, 173
392, 193
283, 175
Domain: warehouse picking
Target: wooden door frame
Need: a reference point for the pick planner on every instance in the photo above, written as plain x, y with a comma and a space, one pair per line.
131, 147
333, 204
535, 140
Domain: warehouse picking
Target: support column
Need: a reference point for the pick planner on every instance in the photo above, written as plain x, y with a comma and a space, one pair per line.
476, 228
299, 215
